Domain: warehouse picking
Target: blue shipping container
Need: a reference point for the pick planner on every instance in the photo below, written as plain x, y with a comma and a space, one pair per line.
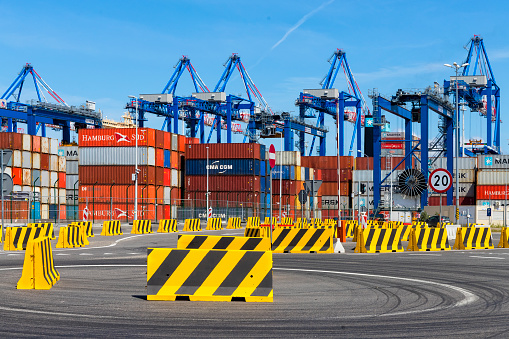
287, 172
306, 175
167, 158
262, 152
262, 184
223, 167
262, 168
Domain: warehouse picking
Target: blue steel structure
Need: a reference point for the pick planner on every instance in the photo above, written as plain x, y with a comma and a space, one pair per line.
39, 113
473, 96
310, 104
422, 104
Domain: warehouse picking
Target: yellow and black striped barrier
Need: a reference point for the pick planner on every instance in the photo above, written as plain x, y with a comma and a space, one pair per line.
111, 227
428, 239
192, 225
38, 269
88, 227
302, 240
350, 229
214, 224
47, 227
233, 223
473, 238
167, 226
142, 227
257, 232
17, 238
209, 275
504, 238
210, 242
72, 236
1, 234
253, 222
378, 240
287, 221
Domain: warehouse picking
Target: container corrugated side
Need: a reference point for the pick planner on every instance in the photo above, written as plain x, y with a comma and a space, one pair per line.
122, 156
53, 162
36, 178
239, 183
174, 142
45, 145
116, 137
288, 158
70, 182
62, 162
223, 167
27, 142
119, 193
36, 160
284, 172
223, 151
465, 163
120, 175
53, 146
494, 192
44, 179
36, 144
26, 161
16, 158
71, 167
27, 176
45, 161
69, 152
492, 177
53, 177
493, 162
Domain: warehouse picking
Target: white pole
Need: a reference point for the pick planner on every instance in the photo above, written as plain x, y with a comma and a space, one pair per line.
457, 148
339, 163
136, 162
270, 180
505, 205
390, 215
207, 184
367, 188
281, 180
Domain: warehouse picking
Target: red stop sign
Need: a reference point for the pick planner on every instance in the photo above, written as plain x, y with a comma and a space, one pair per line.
272, 156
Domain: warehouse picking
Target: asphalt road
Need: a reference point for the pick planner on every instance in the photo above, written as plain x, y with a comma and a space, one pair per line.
102, 293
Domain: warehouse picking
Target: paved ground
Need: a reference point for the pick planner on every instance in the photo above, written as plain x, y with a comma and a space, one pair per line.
102, 293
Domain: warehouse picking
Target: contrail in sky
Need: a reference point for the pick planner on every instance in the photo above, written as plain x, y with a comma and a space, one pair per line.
300, 22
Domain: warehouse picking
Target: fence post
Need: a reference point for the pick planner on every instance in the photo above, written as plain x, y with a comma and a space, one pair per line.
127, 203
74, 199
111, 199
157, 189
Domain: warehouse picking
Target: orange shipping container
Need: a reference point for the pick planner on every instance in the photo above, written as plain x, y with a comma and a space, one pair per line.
159, 139
61, 180
159, 157
102, 211
331, 188
146, 193
17, 176
36, 144
116, 137
182, 143
175, 160
167, 141
327, 162
120, 175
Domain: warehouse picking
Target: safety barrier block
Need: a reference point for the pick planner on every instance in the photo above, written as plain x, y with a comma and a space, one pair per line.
504, 238
349, 229
192, 225
214, 224
38, 269
473, 238
72, 236
167, 226
287, 221
253, 222
209, 242
89, 232
379, 240
428, 239
234, 223
209, 275
47, 227
1, 234
302, 240
141, 227
17, 238
111, 227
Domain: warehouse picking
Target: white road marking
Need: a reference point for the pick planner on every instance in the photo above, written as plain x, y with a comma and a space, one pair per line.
62, 254
468, 297
479, 256
24, 310
12, 254
86, 254
108, 253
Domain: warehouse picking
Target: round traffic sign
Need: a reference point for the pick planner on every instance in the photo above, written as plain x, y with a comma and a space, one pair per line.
272, 156
440, 180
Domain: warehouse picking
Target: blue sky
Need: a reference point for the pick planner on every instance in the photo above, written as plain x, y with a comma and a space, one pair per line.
106, 50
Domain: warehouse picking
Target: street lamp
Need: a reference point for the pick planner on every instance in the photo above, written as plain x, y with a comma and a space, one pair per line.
136, 162
457, 67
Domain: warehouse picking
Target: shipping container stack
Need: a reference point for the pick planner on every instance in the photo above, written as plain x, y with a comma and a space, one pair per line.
106, 166
328, 165
492, 189
236, 172
35, 167
70, 152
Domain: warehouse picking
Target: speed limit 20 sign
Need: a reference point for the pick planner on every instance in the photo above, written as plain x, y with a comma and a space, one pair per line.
440, 180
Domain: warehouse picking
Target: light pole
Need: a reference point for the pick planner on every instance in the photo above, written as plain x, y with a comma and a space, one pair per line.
136, 162
457, 67
207, 184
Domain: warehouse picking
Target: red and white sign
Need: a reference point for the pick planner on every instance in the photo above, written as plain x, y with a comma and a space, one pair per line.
85, 213
392, 145
272, 156
284, 214
210, 212
440, 180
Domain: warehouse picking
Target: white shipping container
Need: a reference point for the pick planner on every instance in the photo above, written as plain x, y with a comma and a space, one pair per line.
44, 145
27, 142
16, 158
70, 181
44, 195
8, 171
27, 176
493, 162
26, 189
331, 202
167, 195
69, 152
488, 177
174, 142
26, 160
36, 160
44, 178
287, 158
311, 174
465, 163
364, 175
120, 156
44, 211
175, 178
53, 162
53, 178
62, 164
53, 146
16, 188
303, 173
62, 196
71, 167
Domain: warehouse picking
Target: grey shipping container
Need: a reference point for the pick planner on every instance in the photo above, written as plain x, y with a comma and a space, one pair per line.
69, 152
487, 177
120, 156
70, 181
493, 162
72, 167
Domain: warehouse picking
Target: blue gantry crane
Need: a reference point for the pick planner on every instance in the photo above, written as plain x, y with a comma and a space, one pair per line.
315, 103
39, 113
479, 90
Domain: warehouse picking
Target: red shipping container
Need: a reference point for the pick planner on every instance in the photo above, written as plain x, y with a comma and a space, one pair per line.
159, 175
240, 183
17, 176
291, 187
175, 196
121, 175
118, 193
167, 140
463, 201
363, 163
36, 144
102, 211
159, 139
317, 174
493, 192
327, 162
223, 151
234, 199
11, 140
182, 143
331, 175
116, 137
61, 180
44, 161
167, 212
159, 157
192, 141
167, 177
